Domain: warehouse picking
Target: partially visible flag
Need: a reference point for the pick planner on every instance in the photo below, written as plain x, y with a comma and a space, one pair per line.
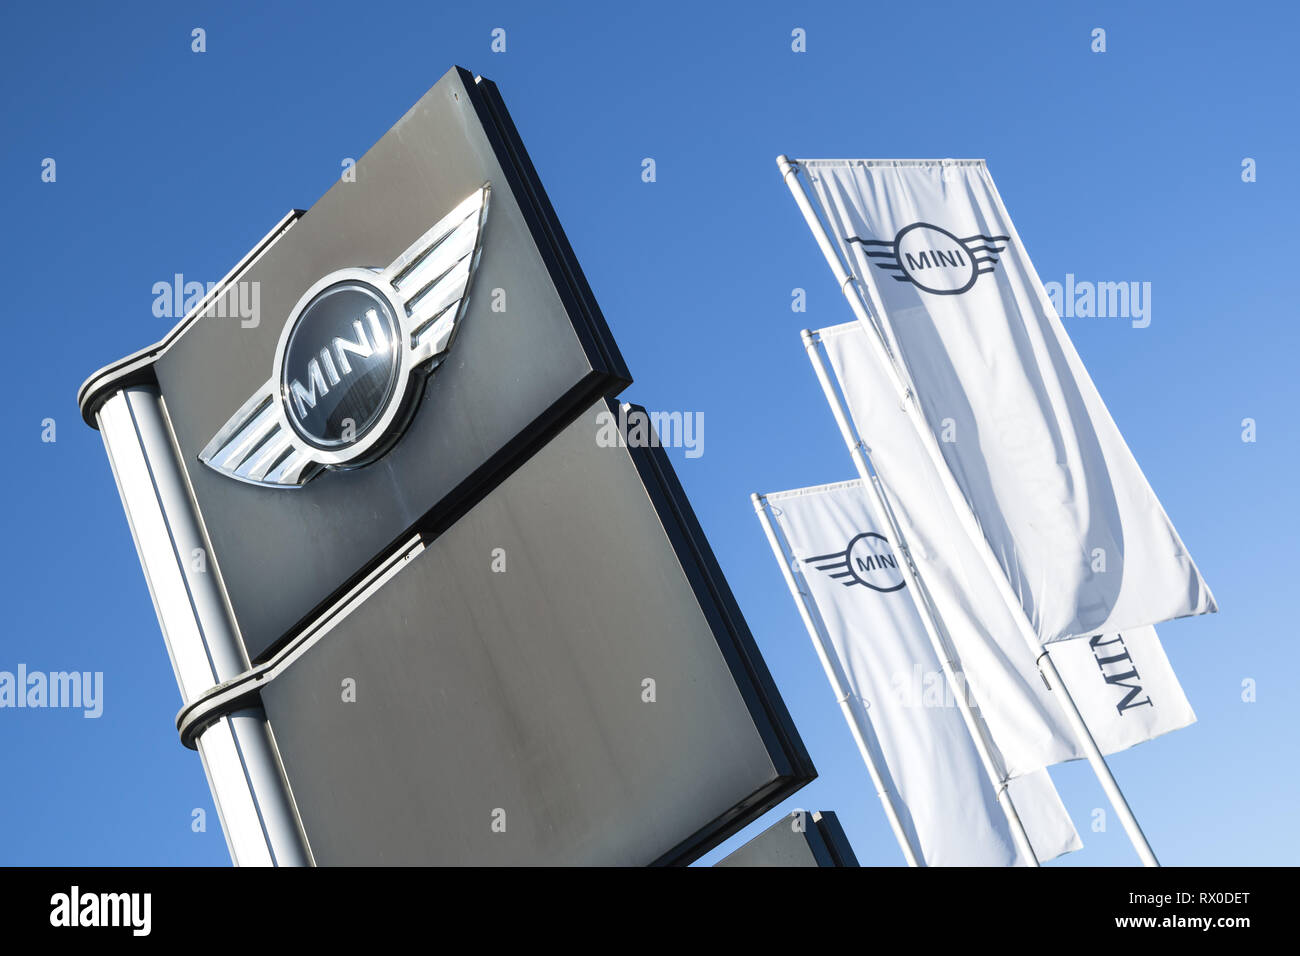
1124, 687
1057, 494
848, 569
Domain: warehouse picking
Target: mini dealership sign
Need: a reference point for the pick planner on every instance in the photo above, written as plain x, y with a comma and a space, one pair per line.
365, 681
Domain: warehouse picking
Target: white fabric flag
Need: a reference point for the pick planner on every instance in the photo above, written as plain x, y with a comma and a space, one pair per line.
1056, 492
1124, 687
849, 570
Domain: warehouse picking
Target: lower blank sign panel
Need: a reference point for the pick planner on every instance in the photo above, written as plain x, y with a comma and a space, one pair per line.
560, 677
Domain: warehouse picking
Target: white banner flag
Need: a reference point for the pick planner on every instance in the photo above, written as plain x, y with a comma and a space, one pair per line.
848, 569
1056, 492
1124, 686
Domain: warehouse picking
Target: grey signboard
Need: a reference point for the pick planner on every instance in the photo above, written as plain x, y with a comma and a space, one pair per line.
562, 677
531, 350
801, 838
436, 619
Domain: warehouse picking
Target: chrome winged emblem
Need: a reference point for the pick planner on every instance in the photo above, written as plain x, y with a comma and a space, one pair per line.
352, 360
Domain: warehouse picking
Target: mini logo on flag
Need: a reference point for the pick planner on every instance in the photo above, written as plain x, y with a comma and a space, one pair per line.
868, 560
933, 259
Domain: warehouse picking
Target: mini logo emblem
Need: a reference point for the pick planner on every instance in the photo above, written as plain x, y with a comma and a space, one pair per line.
350, 378
868, 560
933, 259
352, 360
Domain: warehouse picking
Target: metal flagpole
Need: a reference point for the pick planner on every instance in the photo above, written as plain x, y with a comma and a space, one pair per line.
850, 286
939, 639
863, 733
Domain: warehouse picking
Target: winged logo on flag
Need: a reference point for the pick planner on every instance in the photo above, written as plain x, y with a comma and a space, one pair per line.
934, 259
868, 560
353, 358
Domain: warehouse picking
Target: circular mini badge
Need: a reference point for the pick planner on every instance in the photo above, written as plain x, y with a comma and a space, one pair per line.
342, 364
872, 562
935, 259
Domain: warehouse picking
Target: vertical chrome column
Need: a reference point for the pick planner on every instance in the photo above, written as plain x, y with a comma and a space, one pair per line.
252, 797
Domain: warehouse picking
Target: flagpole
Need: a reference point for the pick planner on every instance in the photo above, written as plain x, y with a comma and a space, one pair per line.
863, 733
848, 282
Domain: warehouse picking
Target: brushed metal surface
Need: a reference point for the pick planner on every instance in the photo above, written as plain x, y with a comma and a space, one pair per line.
510, 380
521, 691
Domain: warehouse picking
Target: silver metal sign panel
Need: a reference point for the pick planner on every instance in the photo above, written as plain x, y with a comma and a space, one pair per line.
560, 677
801, 838
438, 619
422, 329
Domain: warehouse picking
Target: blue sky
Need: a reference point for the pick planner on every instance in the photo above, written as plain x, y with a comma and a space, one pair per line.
1116, 166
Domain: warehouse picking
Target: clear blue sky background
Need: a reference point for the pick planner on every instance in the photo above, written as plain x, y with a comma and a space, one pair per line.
1116, 166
